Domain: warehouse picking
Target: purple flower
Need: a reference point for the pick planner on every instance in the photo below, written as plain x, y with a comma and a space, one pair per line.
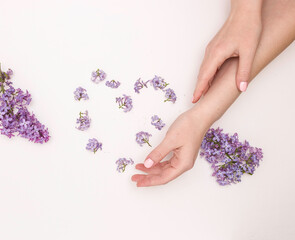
125, 103
80, 93
139, 84
170, 95
157, 122
98, 76
14, 115
93, 145
113, 84
229, 157
158, 83
122, 163
83, 121
142, 138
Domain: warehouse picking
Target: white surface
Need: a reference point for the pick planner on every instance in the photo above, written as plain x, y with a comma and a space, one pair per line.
60, 191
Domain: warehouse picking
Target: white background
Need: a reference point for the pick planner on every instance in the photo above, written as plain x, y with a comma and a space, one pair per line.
60, 191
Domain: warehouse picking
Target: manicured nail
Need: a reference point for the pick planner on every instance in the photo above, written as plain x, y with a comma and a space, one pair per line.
148, 163
193, 99
243, 86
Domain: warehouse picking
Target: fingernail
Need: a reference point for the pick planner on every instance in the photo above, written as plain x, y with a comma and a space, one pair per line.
193, 99
148, 163
243, 86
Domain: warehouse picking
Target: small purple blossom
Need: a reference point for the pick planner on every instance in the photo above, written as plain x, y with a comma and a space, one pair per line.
122, 163
142, 138
170, 95
93, 145
229, 157
139, 84
125, 103
14, 115
80, 93
157, 122
98, 76
83, 121
113, 84
158, 83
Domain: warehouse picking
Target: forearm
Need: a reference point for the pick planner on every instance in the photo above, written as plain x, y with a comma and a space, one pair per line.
248, 6
278, 19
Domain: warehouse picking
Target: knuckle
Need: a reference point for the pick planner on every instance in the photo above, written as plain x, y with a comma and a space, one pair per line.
188, 166
156, 154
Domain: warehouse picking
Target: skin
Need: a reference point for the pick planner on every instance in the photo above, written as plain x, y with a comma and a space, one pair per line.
185, 135
239, 37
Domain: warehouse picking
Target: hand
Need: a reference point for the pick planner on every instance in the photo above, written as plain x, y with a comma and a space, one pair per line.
183, 139
239, 37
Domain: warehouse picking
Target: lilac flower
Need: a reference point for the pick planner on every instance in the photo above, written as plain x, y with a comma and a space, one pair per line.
14, 115
83, 121
229, 157
157, 122
98, 76
80, 93
139, 84
122, 163
142, 138
93, 145
125, 103
158, 83
113, 84
170, 95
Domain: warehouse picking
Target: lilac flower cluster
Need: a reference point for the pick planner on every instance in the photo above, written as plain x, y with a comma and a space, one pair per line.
229, 157
83, 121
113, 84
139, 84
157, 122
122, 163
14, 115
158, 83
98, 76
93, 145
170, 95
80, 93
125, 103
142, 138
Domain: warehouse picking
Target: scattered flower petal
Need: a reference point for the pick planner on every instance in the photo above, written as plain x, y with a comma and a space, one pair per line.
170, 95
139, 84
80, 93
83, 121
98, 76
93, 145
142, 138
158, 83
125, 103
157, 122
113, 84
122, 163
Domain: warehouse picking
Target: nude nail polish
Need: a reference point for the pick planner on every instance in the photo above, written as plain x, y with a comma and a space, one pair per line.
148, 163
243, 86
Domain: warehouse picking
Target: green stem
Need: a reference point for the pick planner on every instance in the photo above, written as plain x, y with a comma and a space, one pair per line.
147, 142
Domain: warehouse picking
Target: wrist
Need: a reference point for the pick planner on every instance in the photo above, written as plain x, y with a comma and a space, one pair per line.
203, 116
246, 7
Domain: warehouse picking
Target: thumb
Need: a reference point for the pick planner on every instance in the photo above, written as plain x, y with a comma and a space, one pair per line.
244, 71
158, 154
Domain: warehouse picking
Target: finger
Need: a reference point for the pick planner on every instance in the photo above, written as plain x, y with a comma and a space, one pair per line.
244, 70
208, 86
159, 153
166, 176
207, 71
156, 169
